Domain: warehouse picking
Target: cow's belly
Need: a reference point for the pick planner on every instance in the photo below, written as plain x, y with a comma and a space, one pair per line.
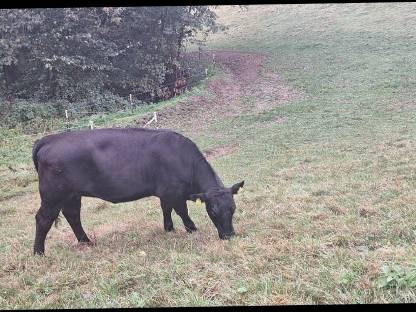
117, 189
120, 197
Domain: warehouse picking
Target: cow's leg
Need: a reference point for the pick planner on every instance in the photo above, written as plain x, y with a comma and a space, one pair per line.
72, 213
182, 210
45, 216
167, 215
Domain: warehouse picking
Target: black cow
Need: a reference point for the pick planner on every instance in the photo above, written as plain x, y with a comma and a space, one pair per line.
120, 165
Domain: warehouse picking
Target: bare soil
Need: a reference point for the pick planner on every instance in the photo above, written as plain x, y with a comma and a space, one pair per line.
402, 106
219, 151
246, 79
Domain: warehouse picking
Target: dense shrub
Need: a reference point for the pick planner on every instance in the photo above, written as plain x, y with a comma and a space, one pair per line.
98, 102
28, 111
93, 56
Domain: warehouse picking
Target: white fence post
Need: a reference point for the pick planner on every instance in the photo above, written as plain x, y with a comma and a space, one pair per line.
154, 118
67, 121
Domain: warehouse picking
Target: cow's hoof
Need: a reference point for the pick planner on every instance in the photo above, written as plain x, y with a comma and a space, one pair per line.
38, 253
85, 239
169, 229
191, 229
86, 243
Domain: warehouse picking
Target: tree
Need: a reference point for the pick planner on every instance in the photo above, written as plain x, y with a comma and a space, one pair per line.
71, 53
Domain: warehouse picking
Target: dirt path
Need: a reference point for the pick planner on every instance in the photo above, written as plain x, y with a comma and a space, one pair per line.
246, 87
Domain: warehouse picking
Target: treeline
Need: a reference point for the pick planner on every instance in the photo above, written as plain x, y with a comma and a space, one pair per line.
71, 56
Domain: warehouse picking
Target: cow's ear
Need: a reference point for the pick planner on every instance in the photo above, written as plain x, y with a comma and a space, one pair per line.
236, 187
200, 196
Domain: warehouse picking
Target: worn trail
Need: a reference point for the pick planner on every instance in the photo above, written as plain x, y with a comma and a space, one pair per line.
247, 86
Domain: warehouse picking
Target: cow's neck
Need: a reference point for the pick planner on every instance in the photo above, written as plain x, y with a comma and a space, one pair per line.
205, 177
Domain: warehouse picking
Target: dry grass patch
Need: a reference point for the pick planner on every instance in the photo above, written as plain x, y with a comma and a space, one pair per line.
213, 153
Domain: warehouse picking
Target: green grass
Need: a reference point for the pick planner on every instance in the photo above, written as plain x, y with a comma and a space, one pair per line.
327, 213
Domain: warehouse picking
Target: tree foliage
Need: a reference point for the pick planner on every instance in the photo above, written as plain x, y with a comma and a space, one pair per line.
70, 54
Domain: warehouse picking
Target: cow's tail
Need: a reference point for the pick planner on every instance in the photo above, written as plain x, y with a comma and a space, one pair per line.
35, 150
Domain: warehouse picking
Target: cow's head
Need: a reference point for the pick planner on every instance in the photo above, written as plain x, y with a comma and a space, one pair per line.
220, 206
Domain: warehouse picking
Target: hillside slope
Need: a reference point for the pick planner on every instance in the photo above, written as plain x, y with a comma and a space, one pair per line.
312, 105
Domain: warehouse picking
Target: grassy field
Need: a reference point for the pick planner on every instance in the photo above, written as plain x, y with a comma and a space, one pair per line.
312, 105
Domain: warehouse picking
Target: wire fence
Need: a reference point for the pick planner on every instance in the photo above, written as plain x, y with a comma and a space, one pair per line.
73, 115
83, 116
